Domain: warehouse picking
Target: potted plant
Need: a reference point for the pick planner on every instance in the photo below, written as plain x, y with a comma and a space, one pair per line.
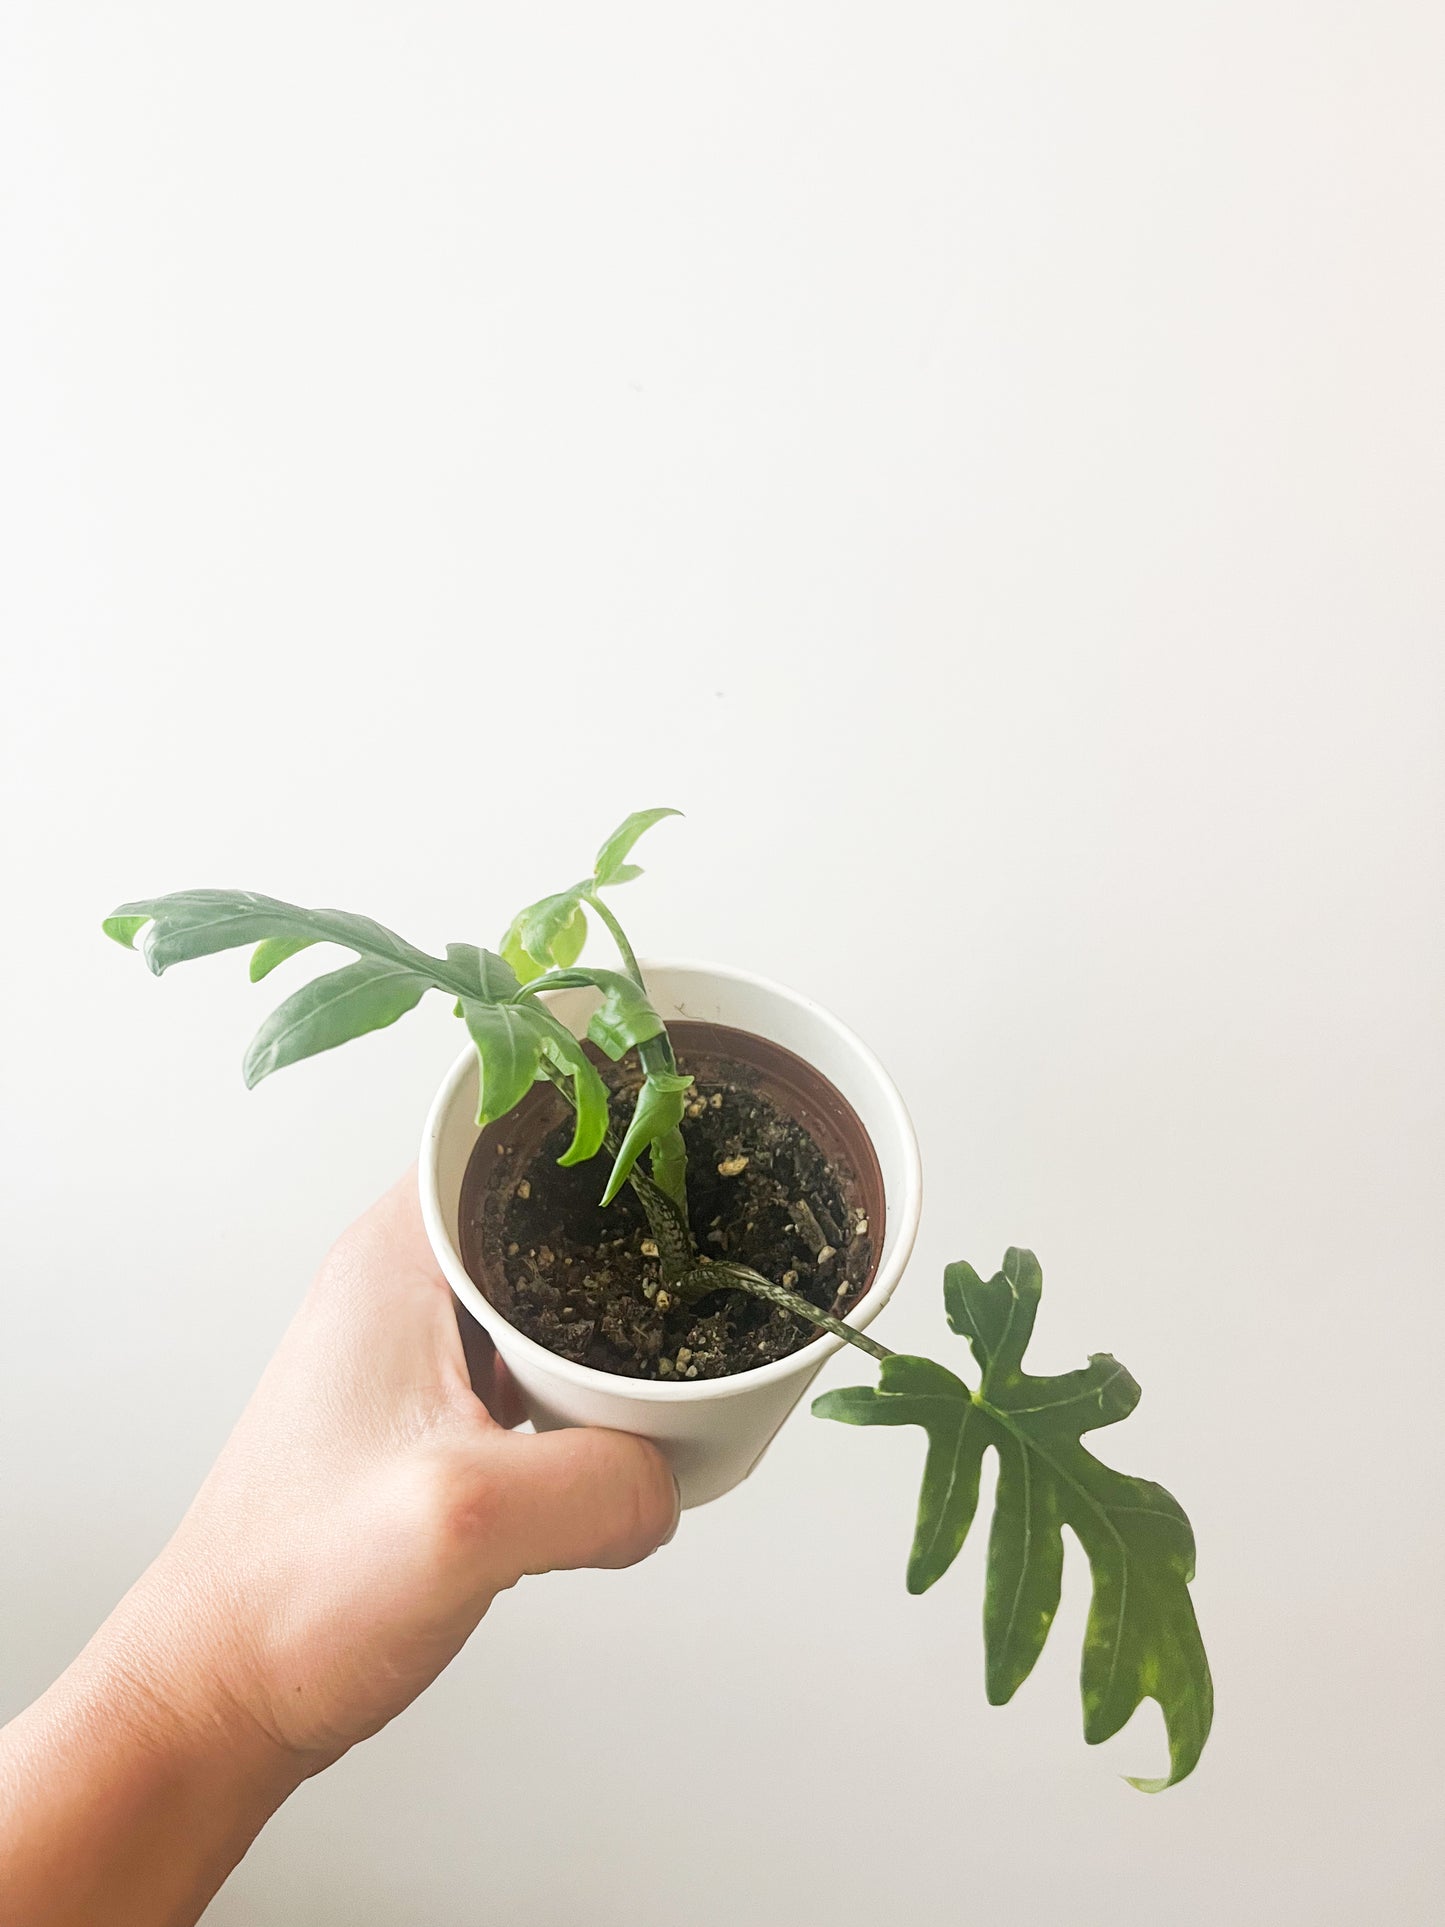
760, 1203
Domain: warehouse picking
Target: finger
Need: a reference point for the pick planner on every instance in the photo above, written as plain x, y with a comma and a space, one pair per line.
578, 1497
491, 1381
382, 1273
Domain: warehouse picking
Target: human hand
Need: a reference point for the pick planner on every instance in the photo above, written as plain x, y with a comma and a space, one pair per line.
371, 1503
365, 1512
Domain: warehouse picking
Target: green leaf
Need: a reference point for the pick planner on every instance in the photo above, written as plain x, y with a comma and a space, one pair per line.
509, 1048
492, 977
623, 1020
275, 950
1142, 1640
660, 1105
548, 934
611, 866
668, 1157
915, 1391
123, 930
524, 967
563, 1050
364, 996
554, 930
199, 923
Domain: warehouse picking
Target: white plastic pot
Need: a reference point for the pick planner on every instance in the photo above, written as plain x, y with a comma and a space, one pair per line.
712, 1431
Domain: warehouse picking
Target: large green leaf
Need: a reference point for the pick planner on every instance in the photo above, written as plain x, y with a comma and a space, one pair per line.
611, 865
199, 923
491, 977
1142, 1640
365, 995
509, 1049
660, 1105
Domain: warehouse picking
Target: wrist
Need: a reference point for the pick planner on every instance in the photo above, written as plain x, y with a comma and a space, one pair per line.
130, 1789
171, 1665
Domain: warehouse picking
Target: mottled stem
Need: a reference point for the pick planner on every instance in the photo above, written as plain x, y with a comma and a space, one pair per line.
731, 1277
683, 1270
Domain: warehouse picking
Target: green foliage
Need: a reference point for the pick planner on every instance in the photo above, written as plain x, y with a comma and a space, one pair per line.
660, 1105
517, 1040
509, 1054
488, 976
275, 950
366, 995
610, 866
550, 934
625, 1018
589, 1094
1142, 1639
199, 923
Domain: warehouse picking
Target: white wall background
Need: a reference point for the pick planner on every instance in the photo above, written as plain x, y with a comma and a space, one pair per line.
985, 463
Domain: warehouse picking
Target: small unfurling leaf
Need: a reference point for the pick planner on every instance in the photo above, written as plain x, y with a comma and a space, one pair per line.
611, 866
660, 1105
625, 1017
589, 1093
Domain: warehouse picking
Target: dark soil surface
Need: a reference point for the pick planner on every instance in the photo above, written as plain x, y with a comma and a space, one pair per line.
586, 1282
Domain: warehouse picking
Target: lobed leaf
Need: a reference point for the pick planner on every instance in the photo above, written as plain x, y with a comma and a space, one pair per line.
1142, 1640
199, 923
364, 996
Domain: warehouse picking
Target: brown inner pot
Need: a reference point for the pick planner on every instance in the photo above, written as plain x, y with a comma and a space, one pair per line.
805, 1208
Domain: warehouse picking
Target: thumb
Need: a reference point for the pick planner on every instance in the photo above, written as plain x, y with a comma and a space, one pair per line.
577, 1497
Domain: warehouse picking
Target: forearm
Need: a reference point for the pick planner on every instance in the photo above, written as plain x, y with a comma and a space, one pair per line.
132, 1787
362, 1517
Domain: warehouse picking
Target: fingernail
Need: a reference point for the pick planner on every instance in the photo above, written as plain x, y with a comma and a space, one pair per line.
677, 1521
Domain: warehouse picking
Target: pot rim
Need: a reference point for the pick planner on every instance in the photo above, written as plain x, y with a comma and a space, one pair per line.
903, 1210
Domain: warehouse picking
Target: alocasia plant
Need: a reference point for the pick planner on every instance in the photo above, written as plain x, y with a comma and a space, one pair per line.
1142, 1640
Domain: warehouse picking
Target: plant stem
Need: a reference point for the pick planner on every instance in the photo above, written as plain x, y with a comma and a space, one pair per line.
678, 1255
618, 935
656, 1054
724, 1277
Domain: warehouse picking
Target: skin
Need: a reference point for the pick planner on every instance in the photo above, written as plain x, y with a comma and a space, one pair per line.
369, 1506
